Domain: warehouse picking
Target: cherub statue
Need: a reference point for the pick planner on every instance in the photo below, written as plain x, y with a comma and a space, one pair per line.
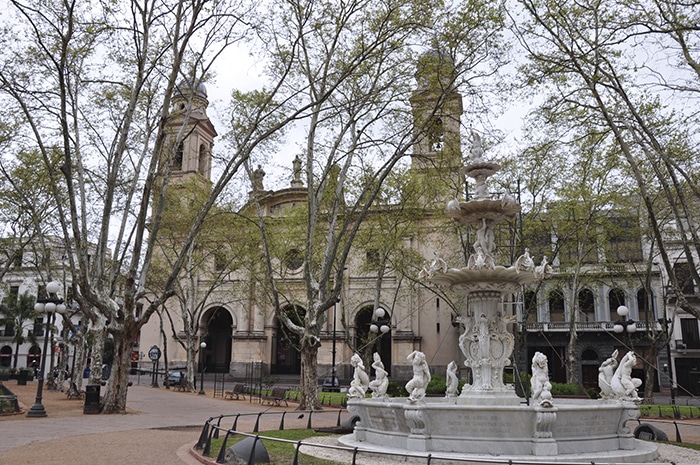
525, 262
477, 261
421, 376
360, 379
477, 150
438, 264
381, 382
622, 384
539, 383
543, 271
605, 376
452, 381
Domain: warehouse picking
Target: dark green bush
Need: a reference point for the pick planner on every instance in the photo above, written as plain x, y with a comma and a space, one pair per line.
437, 385
561, 389
396, 390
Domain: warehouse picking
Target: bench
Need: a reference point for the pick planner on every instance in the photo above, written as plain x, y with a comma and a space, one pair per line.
276, 397
74, 393
236, 392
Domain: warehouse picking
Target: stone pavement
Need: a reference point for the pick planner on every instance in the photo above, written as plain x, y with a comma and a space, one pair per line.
160, 428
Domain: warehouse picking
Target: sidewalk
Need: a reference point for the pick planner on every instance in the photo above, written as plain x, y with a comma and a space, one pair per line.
160, 427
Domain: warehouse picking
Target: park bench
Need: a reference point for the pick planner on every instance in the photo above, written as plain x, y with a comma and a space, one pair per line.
276, 397
74, 393
236, 392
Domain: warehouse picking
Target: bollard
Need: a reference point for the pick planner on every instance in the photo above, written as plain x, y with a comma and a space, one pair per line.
203, 435
221, 458
296, 454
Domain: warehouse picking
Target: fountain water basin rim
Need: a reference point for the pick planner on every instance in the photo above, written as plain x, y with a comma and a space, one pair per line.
457, 425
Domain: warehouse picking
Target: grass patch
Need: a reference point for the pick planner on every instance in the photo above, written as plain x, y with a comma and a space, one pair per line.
281, 453
669, 411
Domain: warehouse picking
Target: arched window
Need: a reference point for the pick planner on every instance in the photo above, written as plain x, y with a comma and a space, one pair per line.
177, 161
530, 306
586, 305
616, 297
556, 306
436, 135
643, 306
203, 153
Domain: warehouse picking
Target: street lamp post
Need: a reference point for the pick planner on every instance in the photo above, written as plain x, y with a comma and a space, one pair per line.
202, 345
51, 304
624, 324
379, 326
333, 377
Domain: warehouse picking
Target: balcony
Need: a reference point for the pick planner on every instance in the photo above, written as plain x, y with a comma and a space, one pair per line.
584, 326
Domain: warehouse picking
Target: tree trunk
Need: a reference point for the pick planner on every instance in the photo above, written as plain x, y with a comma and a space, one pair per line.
98, 343
115, 396
80, 357
309, 373
649, 371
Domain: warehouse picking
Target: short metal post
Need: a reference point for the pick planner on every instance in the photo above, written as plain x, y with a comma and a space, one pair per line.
257, 423
251, 459
296, 454
678, 432
203, 435
221, 458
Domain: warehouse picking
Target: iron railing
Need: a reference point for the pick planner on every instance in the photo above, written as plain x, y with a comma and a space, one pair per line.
213, 429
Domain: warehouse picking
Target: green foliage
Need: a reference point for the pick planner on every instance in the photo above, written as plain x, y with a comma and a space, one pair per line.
279, 452
395, 389
669, 411
562, 389
437, 385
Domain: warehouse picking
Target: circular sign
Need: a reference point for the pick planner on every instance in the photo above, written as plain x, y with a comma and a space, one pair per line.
154, 353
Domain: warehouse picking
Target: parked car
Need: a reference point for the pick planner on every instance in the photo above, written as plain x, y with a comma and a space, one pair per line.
331, 384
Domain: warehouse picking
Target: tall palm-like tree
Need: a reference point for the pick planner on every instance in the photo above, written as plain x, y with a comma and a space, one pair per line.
18, 313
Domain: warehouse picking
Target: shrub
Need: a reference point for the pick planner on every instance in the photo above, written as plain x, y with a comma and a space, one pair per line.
562, 389
396, 390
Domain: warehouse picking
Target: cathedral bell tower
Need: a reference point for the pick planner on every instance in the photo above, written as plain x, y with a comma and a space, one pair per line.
187, 150
437, 109
190, 135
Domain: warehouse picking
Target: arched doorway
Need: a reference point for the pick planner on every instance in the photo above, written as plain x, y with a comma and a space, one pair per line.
217, 355
34, 357
286, 350
368, 342
5, 356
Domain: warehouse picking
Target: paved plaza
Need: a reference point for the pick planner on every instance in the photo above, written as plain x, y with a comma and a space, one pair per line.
160, 428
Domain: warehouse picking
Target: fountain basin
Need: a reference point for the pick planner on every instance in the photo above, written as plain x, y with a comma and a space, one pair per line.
574, 427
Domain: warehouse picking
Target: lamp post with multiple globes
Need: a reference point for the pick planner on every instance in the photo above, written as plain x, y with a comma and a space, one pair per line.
624, 324
50, 305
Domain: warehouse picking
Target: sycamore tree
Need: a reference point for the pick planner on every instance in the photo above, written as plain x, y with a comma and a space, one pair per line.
224, 244
351, 67
623, 68
91, 86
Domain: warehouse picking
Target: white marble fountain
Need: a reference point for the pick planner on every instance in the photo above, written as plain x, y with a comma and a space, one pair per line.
487, 418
